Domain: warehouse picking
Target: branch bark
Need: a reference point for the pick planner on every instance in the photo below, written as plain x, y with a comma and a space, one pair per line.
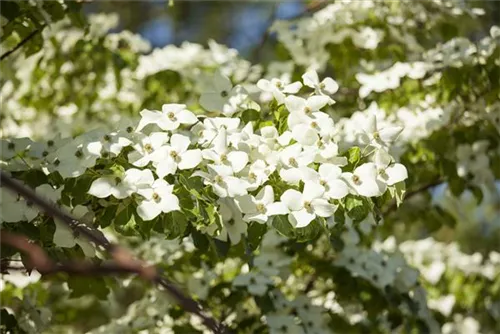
124, 260
21, 43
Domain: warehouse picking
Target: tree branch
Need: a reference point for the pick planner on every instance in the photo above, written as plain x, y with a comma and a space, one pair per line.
412, 193
124, 261
21, 43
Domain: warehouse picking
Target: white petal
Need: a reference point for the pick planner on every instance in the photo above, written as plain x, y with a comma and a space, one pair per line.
149, 117
310, 78
312, 190
102, 187
292, 199
291, 176
257, 217
265, 195
276, 208
322, 208
63, 236
186, 117
292, 88
390, 134
246, 204
329, 171
305, 135
301, 218
169, 203
337, 189
331, 86
317, 102
236, 186
265, 85
212, 101
166, 167
179, 143
238, 160
396, 173
295, 104
190, 159
148, 210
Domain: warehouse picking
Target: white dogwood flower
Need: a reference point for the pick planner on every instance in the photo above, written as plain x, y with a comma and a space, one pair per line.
373, 135
176, 155
223, 182
296, 104
305, 206
328, 176
158, 198
121, 187
278, 88
169, 118
260, 207
144, 150
326, 87
364, 180
221, 153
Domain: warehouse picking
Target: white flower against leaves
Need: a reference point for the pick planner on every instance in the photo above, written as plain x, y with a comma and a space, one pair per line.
280, 324
169, 118
326, 87
364, 180
15, 208
256, 283
122, 187
328, 176
256, 174
389, 173
176, 155
222, 154
223, 182
278, 88
260, 207
158, 198
305, 206
299, 105
66, 238
372, 134
72, 159
145, 150
293, 158
271, 263
114, 142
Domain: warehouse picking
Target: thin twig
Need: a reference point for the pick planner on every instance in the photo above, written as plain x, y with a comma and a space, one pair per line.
21, 43
412, 193
122, 257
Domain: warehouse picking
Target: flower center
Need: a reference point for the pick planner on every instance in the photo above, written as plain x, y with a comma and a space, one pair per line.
118, 180
45, 153
224, 93
223, 157
293, 162
107, 137
307, 205
279, 84
322, 85
11, 146
156, 197
50, 143
129, 129
105, 154
57, 162
173, 154
307, 110
171, 116
314, 125
252, 176
148, 148
356, 180
322, 182
79, 154
218, 179
376, 135
261, 208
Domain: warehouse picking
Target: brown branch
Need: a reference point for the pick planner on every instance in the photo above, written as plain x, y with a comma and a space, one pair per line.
123, 258
21, 43
412, 193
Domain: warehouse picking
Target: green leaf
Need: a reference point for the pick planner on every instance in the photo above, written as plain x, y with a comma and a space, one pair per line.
477, 192
124, 214
79, 191
397, 192
354, 155
283, 226
255, 233
250, 115
309, 232
200, 241
81, 286
107, 215
356, 208
173, 224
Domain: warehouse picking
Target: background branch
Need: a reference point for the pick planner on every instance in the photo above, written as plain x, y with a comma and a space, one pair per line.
124, 261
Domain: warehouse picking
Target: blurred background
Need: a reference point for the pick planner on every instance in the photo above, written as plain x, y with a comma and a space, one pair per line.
238, 24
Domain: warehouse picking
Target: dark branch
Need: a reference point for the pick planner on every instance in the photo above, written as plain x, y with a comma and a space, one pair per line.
412, 193
21, 43
124, 261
